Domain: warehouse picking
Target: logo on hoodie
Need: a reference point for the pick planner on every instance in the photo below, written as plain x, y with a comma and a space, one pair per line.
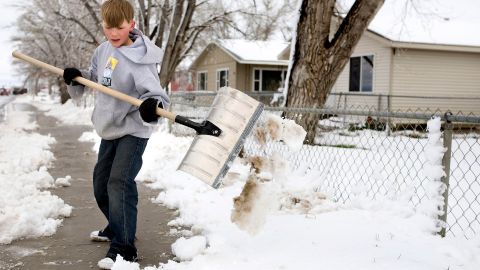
107, 72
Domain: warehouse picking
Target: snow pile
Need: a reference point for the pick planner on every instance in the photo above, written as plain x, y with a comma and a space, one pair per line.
25, 209
254, 203
186, 249
5, 100
433, 170
162, 156
275, 128
91, 136
63, 181
71, 114
263, 191
121, 264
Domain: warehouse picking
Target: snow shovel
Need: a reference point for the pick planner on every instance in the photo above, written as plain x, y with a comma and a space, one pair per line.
219, 138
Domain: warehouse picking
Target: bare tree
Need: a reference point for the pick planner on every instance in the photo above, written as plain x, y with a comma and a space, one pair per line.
184, 27
266, 19
318, 57
65, 33
60, 33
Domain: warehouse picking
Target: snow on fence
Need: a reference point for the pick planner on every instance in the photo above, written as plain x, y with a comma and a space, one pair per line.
378, 153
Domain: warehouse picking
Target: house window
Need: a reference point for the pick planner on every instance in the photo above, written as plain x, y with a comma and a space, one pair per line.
202, 80
268, 80
361, 74
222, 78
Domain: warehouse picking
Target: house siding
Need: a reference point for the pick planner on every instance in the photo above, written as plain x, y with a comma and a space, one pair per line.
242, 77
436, 74
381, 77
421, 72
214, 59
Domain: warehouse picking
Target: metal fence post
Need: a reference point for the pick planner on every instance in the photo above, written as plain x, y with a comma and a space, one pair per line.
447, 143
389, 110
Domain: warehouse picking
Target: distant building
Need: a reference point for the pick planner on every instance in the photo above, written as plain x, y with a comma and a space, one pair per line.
182, 81
245, 65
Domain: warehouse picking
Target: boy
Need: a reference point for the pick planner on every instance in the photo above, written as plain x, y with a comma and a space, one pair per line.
125, 62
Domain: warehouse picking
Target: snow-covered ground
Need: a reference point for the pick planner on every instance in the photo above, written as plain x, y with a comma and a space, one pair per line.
287, 223
374, 163
27, 208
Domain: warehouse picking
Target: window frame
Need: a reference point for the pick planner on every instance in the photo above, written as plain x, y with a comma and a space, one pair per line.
218, 77
206, 80
360, 79
260, 80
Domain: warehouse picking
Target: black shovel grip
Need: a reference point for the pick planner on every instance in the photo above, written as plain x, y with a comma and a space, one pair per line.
204, 128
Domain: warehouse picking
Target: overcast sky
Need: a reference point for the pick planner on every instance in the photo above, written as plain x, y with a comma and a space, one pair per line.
8, 15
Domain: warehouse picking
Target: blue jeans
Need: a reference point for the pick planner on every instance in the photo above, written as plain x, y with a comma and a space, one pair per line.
119, 162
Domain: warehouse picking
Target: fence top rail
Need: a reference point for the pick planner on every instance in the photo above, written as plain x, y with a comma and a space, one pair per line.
214, 93
271, 93
448, 116
399, 96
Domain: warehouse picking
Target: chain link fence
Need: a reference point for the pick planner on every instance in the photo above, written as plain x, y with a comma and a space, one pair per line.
376, 153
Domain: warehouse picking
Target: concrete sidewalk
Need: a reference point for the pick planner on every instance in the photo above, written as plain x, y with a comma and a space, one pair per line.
70, 247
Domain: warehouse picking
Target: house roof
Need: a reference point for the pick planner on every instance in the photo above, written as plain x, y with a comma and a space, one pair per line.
439, 22
402, 44
250, 51
254, 51
421, 45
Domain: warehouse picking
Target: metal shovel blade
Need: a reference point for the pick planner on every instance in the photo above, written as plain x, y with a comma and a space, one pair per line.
210, 157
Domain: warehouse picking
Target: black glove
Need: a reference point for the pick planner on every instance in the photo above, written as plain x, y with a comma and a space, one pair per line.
148, 110
69, 74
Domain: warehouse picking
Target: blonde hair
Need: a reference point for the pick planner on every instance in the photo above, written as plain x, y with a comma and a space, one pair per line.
114, 12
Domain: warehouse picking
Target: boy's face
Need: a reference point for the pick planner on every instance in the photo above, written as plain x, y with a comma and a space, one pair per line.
118, 36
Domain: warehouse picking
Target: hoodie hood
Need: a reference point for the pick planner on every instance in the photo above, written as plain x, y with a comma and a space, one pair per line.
143, 50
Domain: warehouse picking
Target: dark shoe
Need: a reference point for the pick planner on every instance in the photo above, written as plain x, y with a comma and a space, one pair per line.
131, 257
99, 236
128, 255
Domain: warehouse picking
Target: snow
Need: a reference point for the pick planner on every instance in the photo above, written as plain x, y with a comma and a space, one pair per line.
254, 51
27, 208
275, 128
4, 100
295, 224
186, 249
121, 264
71, 114
63, 181
434, 170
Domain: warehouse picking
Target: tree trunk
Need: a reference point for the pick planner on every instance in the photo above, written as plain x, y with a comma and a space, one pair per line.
163, 20
177, 38
317, 59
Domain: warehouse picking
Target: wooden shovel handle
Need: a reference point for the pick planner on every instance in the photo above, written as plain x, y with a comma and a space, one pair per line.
91, 84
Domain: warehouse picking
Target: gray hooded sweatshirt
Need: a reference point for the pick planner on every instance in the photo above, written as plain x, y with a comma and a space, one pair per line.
131, 70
